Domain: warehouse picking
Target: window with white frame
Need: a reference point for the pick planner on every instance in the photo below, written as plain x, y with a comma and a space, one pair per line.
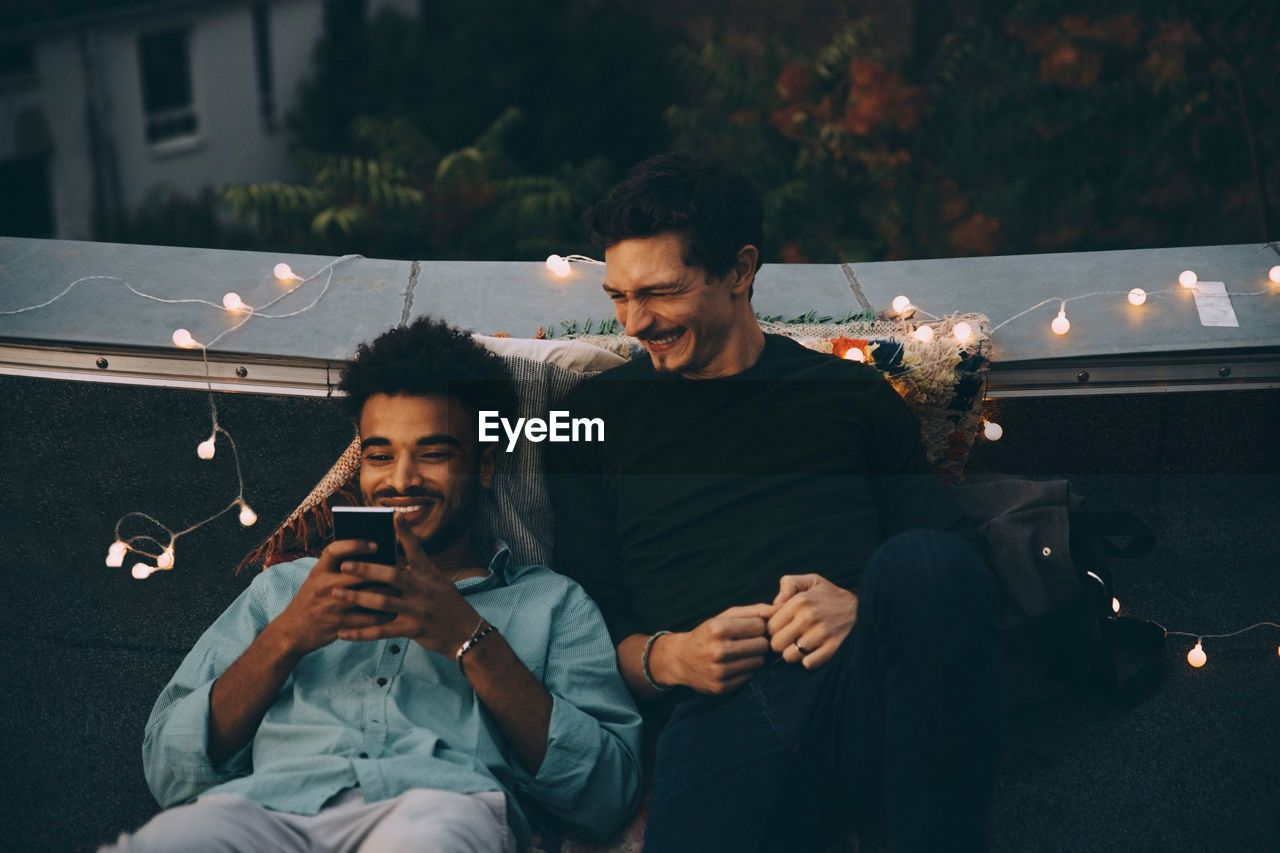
165, 62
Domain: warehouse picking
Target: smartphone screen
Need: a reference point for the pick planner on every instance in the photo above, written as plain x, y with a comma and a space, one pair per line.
371, 523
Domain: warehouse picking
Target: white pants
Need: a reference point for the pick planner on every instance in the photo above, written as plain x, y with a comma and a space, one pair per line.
421, 821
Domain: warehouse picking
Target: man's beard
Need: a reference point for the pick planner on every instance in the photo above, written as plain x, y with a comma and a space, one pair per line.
455, 526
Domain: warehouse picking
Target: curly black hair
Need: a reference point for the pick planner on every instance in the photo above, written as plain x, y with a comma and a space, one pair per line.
428, 357
715, 208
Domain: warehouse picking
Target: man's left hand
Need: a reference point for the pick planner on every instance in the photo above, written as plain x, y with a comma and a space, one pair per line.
814, 617
430, 610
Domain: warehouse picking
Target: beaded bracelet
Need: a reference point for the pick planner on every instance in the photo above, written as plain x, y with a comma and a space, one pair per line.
481, 632
644, 663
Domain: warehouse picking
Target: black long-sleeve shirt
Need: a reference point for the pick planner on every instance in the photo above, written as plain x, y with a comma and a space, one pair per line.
705, 492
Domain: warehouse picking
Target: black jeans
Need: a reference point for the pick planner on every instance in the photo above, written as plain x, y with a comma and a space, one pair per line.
898, 735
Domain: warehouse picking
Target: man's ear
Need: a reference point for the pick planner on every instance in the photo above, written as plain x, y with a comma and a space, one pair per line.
743, 274
487, 463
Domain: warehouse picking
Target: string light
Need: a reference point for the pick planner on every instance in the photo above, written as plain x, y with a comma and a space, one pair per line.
963, 332
1115, 605
115, 554
559, 266
855, 354
900, 305
924, 334
231, 301
991, 430
1188, 278
1137, 296
1197, 657
1061, 325
1274, 273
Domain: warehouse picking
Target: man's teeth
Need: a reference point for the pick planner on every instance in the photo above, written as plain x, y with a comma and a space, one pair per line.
406, 508
667, 340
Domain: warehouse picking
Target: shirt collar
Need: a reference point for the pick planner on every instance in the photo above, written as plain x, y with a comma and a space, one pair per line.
499, 570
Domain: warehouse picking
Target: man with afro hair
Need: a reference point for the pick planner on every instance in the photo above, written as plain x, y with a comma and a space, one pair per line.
321, 713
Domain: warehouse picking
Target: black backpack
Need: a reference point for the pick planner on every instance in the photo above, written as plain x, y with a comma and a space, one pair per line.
1054, 563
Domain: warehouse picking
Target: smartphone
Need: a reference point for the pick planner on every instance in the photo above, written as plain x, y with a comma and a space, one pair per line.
374, 524
371, 523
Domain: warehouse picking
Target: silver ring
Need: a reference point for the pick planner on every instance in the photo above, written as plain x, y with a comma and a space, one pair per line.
802, 649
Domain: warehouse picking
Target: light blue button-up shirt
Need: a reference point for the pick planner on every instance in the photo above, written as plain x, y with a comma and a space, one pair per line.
389, 715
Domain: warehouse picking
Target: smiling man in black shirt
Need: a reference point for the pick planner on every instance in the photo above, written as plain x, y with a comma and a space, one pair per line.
784, 580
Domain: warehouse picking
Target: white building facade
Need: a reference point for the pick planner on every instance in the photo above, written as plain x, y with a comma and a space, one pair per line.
100, 107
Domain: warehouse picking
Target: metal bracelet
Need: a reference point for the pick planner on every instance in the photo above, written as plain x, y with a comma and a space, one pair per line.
482, 631
644, 663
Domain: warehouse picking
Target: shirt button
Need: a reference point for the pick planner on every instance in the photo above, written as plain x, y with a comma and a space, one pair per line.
364, 755
395, 650
381, 682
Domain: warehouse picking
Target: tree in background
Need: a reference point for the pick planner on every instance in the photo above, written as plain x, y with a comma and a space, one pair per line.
475, 131
1034, 126
481, 131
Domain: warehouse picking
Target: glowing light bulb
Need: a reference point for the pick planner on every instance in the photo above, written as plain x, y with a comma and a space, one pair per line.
558, 265
1137, 296
1115, 605
141, 571
247, 516
182, 338
233, 302
165, 560
855, 354
1274, 273
900, 304
206, 448
963, 332
924, 334
1188, 278
991, 430
1060, 324
115, 554
1196, 657
284, 272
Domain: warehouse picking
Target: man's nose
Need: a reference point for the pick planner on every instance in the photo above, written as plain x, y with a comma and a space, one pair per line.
634, 317
405, 473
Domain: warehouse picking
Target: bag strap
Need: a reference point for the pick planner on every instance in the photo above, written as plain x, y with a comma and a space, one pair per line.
1135, 646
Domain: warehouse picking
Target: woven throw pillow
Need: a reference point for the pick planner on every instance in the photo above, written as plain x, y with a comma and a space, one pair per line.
940, 378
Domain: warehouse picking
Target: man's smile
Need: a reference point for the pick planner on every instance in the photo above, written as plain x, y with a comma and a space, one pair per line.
664, 341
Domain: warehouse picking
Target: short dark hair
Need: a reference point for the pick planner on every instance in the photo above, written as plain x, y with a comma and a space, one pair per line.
715, 208
428, 357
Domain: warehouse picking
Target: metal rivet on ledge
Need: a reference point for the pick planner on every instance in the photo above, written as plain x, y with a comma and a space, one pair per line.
101, 362
242, 372
1046, 551
1082, 376
1224, 372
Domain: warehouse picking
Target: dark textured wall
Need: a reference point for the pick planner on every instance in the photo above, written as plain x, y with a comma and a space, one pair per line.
86, 648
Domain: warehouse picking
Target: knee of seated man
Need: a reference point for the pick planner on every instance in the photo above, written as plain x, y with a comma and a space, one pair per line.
926, 566
446, 820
